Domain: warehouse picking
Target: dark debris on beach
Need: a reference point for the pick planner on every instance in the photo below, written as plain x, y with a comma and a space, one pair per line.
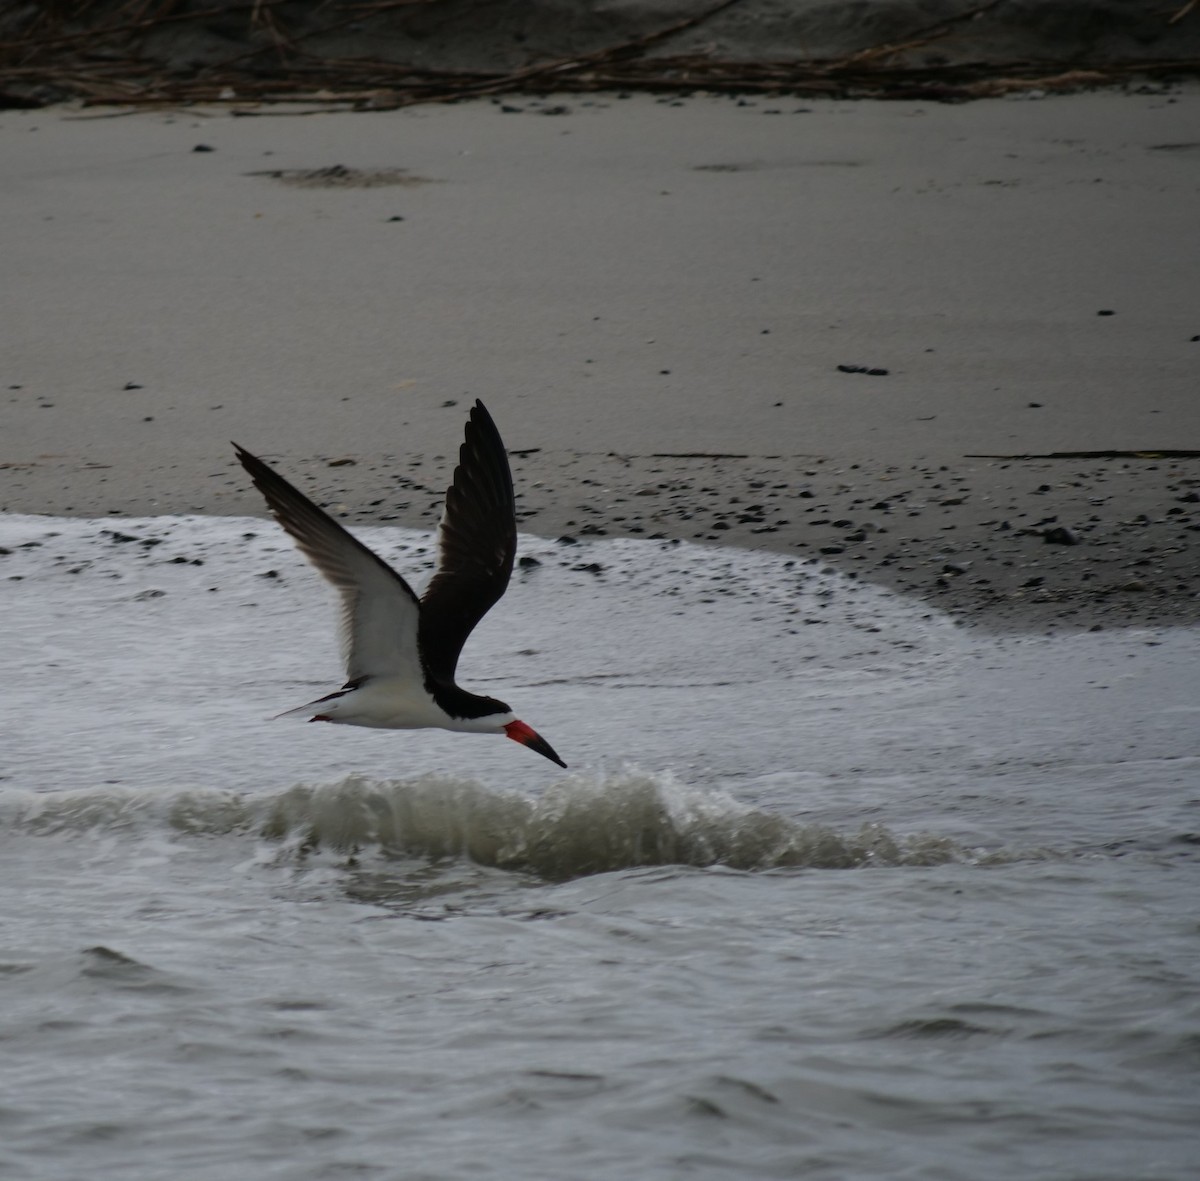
1049, 542
1055, 542
386, 54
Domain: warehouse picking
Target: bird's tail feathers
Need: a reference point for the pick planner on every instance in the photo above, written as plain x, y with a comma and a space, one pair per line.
324, 709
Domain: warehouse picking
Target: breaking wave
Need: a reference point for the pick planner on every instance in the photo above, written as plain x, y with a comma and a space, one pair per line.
580, 827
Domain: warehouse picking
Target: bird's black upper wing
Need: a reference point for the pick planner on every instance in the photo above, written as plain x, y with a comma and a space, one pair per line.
477, 541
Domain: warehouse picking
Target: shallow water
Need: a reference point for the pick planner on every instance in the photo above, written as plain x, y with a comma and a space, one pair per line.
832, 889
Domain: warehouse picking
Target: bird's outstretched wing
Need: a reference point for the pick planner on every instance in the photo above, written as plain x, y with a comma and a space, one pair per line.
477, 541
379, 610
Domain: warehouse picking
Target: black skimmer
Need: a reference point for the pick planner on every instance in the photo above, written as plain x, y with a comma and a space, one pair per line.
401, 652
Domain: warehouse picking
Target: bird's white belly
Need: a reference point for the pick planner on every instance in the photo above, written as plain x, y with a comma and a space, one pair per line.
386, 704
394, 704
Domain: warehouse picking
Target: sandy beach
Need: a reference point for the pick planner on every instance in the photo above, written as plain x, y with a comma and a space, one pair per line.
851, 332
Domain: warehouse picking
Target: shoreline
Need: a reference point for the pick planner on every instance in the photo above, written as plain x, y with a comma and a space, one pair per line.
1023, 546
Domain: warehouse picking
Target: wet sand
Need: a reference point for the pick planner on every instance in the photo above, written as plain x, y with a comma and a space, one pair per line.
673, 309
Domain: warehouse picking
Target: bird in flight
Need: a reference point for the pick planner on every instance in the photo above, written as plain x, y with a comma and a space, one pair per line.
401, 652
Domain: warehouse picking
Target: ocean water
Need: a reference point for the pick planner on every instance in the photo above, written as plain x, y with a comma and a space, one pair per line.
832, 889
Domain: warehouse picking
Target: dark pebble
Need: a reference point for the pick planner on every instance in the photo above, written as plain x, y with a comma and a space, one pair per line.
527, 562
1060, 535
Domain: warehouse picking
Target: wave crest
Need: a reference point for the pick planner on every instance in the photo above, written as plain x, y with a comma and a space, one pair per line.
579, 827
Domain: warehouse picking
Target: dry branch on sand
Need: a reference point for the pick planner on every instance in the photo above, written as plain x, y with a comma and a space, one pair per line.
136, 52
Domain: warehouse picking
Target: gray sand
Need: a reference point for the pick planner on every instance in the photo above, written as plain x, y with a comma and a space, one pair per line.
625, 284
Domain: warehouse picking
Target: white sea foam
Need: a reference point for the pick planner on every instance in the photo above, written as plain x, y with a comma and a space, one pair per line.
150, 653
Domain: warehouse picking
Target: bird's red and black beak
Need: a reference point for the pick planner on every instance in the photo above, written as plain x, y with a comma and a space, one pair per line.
527, 736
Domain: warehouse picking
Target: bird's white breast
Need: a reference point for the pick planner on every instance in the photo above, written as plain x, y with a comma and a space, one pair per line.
388, 703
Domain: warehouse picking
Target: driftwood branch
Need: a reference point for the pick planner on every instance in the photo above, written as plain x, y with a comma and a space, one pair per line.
1188, 8
102, 57
1096, 455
